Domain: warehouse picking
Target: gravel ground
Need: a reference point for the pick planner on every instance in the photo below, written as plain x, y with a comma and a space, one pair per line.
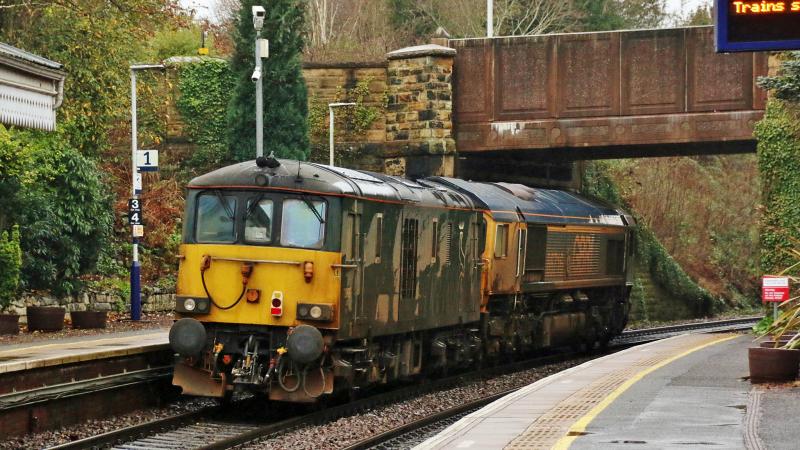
116, 323
349, 430
95, 427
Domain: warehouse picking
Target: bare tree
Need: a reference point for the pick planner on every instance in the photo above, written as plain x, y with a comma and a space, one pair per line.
226, 10
512, 17
321, 21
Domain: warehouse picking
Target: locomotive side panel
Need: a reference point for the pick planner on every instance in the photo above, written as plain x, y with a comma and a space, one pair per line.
419, 269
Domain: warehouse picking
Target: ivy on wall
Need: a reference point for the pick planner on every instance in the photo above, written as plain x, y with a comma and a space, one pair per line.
205, 91
350, 122
649, 251
779, 163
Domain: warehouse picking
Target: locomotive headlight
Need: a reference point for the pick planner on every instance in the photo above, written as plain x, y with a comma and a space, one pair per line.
192, 305
312, 311
189, 304
302, 310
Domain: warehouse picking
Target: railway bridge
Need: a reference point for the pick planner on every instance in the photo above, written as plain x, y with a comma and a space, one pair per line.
567, 97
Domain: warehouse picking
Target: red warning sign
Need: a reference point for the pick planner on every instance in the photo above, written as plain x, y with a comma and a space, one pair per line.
774, 289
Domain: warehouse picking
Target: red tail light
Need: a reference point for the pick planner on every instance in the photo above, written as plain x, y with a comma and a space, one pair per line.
276, 307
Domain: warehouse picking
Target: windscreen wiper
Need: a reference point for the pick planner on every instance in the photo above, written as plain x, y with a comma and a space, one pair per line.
314, 210
224, 204
253, 205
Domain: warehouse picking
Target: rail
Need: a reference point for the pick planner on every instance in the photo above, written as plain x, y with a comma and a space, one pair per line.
176, 428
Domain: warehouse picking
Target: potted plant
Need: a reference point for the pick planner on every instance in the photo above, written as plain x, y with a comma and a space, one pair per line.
45, 318
10, 263
778, 358
88, 319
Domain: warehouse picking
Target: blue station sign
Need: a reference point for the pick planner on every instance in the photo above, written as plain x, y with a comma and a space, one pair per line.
753, 26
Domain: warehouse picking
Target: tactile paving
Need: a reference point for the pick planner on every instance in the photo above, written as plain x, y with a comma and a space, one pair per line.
547, 429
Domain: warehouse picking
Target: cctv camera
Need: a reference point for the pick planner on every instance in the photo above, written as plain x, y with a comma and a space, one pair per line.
258, 17
256, 75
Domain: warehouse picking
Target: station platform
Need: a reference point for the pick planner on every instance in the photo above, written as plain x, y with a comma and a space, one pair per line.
690, 391
40, 354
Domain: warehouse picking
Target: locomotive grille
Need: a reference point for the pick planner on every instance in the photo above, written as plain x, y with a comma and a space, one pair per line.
572, 256
408, 259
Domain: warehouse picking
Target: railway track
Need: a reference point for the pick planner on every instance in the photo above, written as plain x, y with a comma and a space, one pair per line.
204, 429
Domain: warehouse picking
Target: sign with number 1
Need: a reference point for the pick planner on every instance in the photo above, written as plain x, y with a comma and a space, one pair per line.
147, 160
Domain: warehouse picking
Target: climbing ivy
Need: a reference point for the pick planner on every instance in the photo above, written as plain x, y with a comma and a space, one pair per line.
205, 90
351, 122
779, 163
650, 253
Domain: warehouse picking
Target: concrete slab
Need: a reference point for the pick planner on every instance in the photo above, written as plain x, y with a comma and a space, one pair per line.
35, 355
626, 398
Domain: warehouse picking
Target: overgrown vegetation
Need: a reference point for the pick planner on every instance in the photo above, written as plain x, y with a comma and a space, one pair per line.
204, 93
779, 162
600, 181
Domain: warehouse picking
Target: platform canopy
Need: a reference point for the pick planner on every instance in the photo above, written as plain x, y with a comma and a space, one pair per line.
31, 89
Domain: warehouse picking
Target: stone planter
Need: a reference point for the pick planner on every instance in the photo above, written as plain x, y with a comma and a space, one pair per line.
45, 318
775, 365
9, 324
88, 319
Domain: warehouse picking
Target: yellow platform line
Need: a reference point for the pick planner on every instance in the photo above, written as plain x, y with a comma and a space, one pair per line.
579, 427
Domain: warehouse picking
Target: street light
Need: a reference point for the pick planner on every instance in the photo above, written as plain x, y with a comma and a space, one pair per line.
489, 18
330, 132
136, 181
262, 51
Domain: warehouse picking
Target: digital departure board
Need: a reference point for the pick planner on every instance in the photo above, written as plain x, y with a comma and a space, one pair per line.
744, 26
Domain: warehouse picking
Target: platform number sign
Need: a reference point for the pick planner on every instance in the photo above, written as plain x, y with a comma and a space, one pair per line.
135, 211
147, 160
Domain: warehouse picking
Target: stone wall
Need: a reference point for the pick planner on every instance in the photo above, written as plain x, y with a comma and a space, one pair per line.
155, 301
419, 126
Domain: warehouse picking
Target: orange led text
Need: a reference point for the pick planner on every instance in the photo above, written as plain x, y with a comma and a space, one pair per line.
765, 7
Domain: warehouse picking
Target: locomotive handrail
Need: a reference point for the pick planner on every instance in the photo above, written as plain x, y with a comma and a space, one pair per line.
257, 261
344, 266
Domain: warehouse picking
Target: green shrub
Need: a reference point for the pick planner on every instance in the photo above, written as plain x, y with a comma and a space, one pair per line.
10, 263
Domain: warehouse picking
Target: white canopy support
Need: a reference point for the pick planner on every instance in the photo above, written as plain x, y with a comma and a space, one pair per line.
31, 89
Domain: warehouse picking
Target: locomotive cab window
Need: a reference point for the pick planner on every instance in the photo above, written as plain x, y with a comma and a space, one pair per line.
303, 223
215, 218
501, 241
258, 223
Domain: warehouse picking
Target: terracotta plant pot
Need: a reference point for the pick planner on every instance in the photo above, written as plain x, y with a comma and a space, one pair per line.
773, 364
88, 319
9, 324
45, 318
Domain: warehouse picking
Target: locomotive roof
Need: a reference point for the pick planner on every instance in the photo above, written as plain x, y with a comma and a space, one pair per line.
505, 201
323, 179
508, 201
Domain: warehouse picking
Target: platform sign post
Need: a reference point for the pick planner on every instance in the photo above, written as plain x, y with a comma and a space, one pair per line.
150, 158
775, 290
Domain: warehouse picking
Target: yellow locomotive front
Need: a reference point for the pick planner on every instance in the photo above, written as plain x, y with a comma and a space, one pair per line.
258, 286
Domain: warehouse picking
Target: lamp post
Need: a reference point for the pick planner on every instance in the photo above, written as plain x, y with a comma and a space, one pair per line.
330, 131
489, 18
136, 297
